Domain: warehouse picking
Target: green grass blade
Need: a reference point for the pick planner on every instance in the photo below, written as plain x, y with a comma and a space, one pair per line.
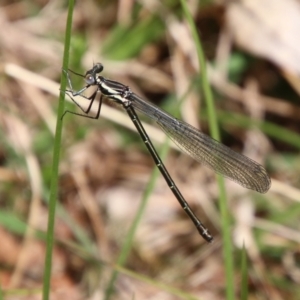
275, 131
126, 42
244, 271
1, 293
158, 284
227, 249
127, 245
55, 164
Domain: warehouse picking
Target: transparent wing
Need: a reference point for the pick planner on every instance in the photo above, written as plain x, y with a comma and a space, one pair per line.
217, 156
206, 150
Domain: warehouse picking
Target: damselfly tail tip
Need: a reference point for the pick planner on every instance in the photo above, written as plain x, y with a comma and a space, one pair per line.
204, 232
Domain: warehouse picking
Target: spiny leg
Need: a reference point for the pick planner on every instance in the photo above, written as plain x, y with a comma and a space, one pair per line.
71, 93
91, 99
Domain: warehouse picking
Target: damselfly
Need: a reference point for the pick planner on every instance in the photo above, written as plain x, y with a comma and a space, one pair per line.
201, 147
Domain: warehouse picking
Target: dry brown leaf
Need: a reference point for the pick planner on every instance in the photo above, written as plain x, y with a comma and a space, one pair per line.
268, 28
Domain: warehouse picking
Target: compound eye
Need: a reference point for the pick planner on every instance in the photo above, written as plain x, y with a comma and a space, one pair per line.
89, 79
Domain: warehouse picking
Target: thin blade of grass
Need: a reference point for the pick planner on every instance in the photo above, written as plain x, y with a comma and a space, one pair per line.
244, 271
227, 248
127, 245
171, 290
55, 164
